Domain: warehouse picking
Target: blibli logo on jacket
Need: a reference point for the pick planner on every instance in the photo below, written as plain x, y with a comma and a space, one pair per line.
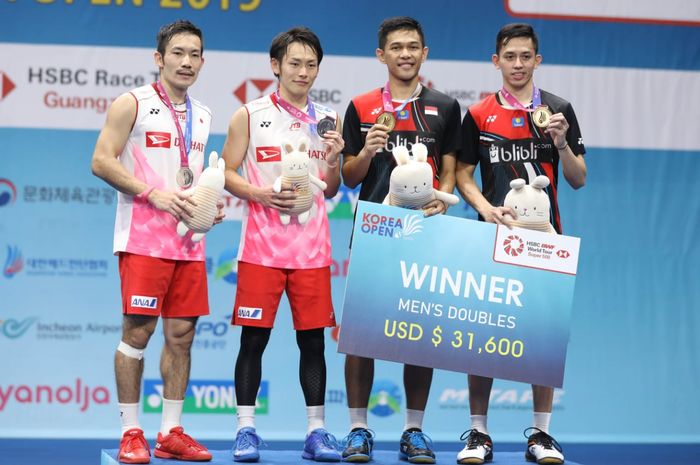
144, 301
250, 313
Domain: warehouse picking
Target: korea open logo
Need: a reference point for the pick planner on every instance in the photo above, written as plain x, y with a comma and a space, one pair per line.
513, 245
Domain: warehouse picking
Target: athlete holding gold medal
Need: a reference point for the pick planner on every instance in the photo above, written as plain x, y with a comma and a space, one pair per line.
518, 132
403, 112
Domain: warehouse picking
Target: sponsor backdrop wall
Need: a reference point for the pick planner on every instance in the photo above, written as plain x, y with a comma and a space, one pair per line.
631, 69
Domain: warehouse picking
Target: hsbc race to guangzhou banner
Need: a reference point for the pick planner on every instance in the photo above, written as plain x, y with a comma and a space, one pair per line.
459, 294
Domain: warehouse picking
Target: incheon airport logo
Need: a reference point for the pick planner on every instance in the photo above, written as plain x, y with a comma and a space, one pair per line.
204, 396
14, 329
8, 192
385, 398
227, 266
13, 262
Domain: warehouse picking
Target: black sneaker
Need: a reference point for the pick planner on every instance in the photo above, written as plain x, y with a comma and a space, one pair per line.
542, 448
416, 447
478, 449
358, 445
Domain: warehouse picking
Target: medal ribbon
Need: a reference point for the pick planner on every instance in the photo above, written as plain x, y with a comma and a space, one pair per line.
186, 140
513, 102
387, 100
309, 118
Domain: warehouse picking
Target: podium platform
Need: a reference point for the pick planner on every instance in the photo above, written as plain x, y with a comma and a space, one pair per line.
293, 457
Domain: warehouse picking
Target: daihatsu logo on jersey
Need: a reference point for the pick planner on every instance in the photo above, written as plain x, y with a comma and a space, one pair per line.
268, 154
160, 140
143, 301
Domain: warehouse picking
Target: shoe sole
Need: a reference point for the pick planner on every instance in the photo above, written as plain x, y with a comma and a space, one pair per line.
544, 461
137, 460
321, 458
472, 461
165, 455
358, 458
246, 459
419, 459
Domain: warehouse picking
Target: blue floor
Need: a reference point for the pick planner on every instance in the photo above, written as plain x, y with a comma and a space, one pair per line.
88, 452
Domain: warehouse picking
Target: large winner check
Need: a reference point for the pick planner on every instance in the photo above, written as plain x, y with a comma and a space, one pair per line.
459, 294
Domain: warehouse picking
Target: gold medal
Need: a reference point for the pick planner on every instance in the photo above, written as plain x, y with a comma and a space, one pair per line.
388, 120
541, 116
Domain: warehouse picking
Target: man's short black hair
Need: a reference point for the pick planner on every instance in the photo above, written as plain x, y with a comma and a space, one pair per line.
178, 27
303, 35
399, 23
513, 30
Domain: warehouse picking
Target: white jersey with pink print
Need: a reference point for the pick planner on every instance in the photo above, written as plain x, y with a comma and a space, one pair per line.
264, 239
152, 154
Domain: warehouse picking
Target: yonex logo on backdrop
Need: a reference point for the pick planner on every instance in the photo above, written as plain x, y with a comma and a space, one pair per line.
144, 301
250, 313
204, 396
158, 139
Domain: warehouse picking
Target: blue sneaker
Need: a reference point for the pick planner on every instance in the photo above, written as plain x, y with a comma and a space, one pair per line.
321, 446
246, 447
358, 445
416, 447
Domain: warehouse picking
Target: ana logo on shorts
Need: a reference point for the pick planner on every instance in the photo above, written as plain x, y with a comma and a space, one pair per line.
143, 301
250, 313
385, 399
513, 245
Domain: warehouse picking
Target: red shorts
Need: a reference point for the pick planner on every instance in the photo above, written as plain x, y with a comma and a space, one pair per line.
157, 286
260, 290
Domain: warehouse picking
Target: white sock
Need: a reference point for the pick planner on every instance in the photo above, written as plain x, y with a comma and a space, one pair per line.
541, 420
358, 418
246, 416
315, 416
479, 423
129, 416
414, 419
172, 412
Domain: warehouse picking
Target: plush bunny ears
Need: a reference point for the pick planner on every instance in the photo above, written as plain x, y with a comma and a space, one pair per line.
216, 162
540, 182
303, 146
420, 153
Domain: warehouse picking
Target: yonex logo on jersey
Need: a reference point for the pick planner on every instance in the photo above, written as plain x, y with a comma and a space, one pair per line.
491, 118
376, 111
160, 140
265, 124
268, 154
250, 313
142, 301
154, 111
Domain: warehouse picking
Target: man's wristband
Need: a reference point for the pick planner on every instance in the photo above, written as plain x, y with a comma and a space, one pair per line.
144, 195
333, 165
566, 144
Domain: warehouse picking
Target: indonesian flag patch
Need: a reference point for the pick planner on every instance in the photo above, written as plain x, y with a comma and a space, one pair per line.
431, 110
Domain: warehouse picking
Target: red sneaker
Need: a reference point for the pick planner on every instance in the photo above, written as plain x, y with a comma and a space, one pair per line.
178, 445
134, 448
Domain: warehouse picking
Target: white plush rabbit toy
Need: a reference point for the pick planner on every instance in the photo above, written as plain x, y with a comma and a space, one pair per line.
411, 181
295, 172
531, 203
206, 194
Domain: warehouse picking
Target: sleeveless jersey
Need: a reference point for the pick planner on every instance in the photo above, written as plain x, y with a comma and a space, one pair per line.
432, 118
264, 239
152, 155
508, 146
